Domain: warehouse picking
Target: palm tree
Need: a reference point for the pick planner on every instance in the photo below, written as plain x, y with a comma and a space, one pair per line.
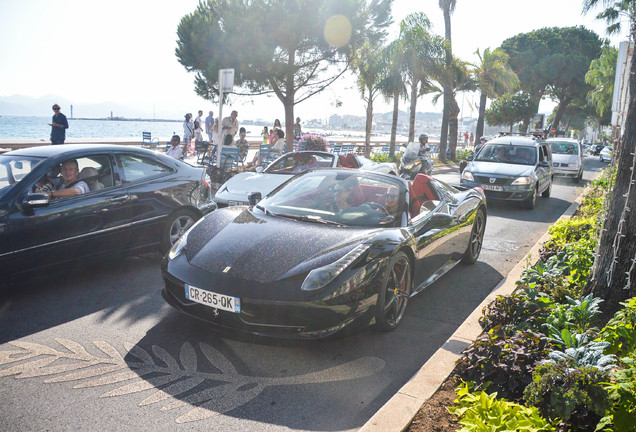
601, 76
462, 80
495, 78
613, 272
447, 7
370, 65
420, 49
393, 84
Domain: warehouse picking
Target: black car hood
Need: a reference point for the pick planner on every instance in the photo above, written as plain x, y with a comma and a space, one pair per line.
250, 245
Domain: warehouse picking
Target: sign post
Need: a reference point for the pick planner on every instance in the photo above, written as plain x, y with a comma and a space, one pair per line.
226, 85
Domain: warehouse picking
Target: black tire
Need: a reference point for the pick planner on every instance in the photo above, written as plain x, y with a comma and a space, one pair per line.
177, 224
548, 191
532, 201
578, 178
394, 293
476, 238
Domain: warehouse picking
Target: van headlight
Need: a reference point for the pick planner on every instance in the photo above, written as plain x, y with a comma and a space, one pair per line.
320, 277
521, 181
467, 175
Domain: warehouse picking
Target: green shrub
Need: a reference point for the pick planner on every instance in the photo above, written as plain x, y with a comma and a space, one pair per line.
574, 395
622, 394
481, 412
587, 355
585, 312
571, 230
504, 364
525, 310
377, 157
620, 331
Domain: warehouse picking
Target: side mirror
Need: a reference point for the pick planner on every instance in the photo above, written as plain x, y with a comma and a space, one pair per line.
545, 164
470, 157
254, 198
36, 200
259, 169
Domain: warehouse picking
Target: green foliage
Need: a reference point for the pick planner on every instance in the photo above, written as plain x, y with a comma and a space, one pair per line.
525, 310
622, 394
565, 338
378, 157
585, 311
589, 355
571, 230
620, 331
503, 363
574, 395
463, 155
601, 77
510, 109
482, 412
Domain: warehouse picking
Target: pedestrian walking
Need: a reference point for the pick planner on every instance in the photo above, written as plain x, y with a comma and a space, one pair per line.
188, 133
209, 122
229, 126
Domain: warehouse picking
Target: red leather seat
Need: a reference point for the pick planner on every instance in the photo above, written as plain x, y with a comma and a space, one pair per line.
350, 161
420, 192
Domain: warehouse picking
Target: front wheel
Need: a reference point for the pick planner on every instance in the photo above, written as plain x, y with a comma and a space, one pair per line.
531, 202
476, 238
178, 223
393, 294
548, 191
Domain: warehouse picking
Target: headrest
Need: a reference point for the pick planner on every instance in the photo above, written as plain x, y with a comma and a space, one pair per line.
421, 179
88, 173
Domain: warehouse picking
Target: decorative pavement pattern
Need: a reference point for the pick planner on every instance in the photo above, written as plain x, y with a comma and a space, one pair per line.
178, 384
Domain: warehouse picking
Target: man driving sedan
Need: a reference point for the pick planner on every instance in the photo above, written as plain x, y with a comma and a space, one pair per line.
72, 185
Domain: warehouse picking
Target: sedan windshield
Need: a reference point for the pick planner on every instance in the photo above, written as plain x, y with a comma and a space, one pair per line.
345, 198
15, 168
509, 154
296, 162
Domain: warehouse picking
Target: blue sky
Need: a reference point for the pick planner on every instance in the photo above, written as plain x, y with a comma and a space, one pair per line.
123, 51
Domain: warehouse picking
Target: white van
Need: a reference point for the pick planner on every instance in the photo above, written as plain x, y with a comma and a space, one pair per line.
567, 158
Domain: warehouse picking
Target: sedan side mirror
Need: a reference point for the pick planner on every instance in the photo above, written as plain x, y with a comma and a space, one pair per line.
259, 169
545, 164
36, 200
254, 198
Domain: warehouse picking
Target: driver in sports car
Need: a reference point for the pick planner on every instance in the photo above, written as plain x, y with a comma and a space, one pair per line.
347, 201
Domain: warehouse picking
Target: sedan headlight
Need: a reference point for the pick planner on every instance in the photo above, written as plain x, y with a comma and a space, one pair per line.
180, 245
467, 175
320, 277
521, 181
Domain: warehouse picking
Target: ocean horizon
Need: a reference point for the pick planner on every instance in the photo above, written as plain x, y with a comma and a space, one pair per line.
37, 128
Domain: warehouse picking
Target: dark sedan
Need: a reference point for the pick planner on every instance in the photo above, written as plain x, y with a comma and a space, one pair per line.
328, 248
137, 200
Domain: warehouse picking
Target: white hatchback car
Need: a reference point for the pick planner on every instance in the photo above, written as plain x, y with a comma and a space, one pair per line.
236, 190
567, 158
606, 154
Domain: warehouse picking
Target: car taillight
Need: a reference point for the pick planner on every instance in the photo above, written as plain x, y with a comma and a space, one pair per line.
207, 182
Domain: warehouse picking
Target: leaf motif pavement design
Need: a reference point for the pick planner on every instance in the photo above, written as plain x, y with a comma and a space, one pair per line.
172, 383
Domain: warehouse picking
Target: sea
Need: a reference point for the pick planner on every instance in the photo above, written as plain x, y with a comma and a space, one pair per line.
37, 128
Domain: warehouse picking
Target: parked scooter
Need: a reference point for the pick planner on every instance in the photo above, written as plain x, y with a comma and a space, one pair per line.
413, 162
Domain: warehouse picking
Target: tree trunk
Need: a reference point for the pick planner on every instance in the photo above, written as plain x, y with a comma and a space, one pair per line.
396, 102
289, 127
453, 128
448, 88
481, 119
414, 88
559, 114
369, 125
614, 271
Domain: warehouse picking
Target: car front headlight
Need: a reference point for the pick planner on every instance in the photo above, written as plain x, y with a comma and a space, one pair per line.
180, 245
521, 181
320, 277
467, 175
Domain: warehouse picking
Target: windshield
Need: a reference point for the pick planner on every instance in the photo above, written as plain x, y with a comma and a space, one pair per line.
292, 163
411, 151
15, 168
509, 154
344, 198
564, 147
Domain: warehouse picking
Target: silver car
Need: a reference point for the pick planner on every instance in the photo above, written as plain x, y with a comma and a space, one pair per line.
567, 158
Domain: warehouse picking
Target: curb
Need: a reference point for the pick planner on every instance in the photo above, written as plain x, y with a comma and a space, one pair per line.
398, 412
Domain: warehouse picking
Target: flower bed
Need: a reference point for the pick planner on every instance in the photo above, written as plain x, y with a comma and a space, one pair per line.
542, 363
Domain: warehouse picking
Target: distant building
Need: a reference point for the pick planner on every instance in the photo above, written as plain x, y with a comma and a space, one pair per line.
620, 100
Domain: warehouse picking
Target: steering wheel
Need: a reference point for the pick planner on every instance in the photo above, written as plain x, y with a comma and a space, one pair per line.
380, 208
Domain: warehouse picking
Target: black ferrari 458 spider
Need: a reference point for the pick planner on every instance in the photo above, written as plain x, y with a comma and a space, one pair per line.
327, 248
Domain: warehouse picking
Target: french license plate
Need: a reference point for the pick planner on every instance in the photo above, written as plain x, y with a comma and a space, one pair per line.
490, 187
212, 299
235, 203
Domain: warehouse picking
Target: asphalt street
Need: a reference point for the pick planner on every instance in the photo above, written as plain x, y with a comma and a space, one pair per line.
95, 347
